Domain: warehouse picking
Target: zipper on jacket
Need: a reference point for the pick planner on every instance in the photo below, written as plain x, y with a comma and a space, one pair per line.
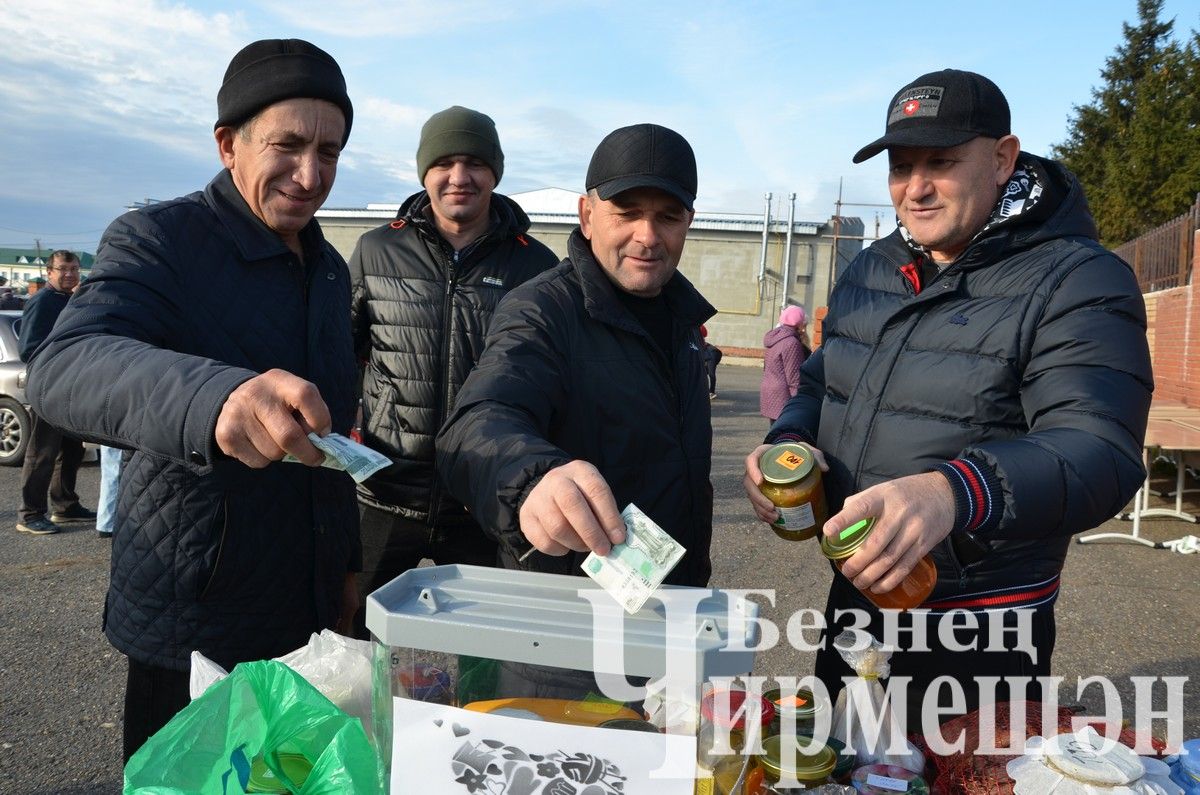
435, 490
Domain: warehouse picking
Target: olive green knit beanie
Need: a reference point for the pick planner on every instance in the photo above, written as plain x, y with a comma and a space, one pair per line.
459, 131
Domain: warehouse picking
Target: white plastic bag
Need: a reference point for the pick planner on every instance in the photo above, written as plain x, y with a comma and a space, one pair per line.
338, 666
862, 700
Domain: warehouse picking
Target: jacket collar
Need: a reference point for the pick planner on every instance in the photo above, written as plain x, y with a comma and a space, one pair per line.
600, 300
506, 218
254, 239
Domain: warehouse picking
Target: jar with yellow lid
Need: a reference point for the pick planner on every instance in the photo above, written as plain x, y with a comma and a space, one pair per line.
792, 482
912, 590
806, 763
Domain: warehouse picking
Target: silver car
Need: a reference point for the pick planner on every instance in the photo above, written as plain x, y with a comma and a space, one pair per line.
14, 412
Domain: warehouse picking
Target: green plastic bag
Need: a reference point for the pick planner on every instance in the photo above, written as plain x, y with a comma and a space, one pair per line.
263, 711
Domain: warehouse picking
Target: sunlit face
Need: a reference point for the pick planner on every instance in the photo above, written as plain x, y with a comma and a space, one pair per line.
284, 162
63, 275
945, 196
637, 237
460, 189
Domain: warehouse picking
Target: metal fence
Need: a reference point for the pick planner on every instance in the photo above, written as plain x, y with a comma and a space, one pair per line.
1162, 257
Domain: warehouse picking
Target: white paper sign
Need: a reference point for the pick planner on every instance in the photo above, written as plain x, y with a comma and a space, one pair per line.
440, 749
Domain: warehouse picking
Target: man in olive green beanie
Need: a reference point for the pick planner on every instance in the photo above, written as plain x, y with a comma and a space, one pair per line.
460, 131
423, 291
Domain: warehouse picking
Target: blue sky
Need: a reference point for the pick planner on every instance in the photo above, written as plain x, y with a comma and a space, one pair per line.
108, 102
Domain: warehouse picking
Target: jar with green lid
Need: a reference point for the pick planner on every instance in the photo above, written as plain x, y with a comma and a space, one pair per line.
912, 590
805, 763
803, 706
792, 482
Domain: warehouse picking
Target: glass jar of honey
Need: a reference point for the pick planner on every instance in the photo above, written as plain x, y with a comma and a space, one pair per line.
912, 590
806, 763
792, 482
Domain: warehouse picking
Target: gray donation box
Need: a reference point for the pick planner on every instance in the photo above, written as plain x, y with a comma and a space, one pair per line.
553, 647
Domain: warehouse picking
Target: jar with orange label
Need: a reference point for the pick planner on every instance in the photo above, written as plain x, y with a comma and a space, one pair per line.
912, 590
792, 482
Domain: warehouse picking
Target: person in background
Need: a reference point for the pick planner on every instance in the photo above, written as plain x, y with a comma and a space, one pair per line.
106, 507
212, 338
424, 288
52, 458
785, 348
8, 300
712, 357
981, 390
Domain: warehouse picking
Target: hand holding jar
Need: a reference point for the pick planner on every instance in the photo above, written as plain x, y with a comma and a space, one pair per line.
911, 515
764, 508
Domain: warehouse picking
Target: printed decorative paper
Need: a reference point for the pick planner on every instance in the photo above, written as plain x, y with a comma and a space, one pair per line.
451, 751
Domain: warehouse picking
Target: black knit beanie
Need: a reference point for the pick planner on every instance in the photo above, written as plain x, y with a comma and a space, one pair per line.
272, 70
459, 131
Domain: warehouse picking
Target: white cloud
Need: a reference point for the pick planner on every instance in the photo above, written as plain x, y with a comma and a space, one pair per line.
401, 18
144, 68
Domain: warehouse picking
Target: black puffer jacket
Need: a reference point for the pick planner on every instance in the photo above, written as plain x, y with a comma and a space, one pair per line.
420, 314
1028, 354
568, 374
188, 299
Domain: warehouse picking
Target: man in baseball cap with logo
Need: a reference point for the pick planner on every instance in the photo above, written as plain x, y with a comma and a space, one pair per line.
981, 390
592, 391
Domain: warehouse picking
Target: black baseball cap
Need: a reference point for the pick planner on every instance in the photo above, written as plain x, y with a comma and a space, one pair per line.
941, 109
644, 156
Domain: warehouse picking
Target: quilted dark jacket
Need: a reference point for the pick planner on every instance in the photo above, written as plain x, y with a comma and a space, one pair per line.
188, 299
1028, 354
420, 312
569, 373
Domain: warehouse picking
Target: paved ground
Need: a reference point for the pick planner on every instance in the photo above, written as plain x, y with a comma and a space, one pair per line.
1125, 611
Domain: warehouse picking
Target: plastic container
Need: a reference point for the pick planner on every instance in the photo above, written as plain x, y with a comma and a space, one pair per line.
888, 780
1185, 768
807, 768
446, 617
715, 716
630, 725
792, 482
912, 590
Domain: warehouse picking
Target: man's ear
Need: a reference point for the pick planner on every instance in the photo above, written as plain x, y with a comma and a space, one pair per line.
225, 136
585, 216
1006, 151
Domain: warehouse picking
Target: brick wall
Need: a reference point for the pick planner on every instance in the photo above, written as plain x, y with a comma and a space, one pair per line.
1174, 333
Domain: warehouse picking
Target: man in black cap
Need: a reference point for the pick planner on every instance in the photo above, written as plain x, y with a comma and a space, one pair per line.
424, 288
592, 393
211, 338
981, 390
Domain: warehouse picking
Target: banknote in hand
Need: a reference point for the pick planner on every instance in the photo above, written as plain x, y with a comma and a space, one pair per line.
342, 452
634, 569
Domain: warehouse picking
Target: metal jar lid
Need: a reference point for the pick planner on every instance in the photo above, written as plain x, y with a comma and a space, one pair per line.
803, 704
786, 463
810, 767
847, 542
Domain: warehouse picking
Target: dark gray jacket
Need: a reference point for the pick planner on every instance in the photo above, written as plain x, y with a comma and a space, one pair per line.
1028, 354
40, 313
569, 373
420, 312
188, 299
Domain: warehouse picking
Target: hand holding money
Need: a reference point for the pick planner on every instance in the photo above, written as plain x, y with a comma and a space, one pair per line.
343, 453
633, 570
268, 416
572, 509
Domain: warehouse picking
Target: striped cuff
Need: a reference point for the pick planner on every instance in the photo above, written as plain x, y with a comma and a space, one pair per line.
788, 436
977, 496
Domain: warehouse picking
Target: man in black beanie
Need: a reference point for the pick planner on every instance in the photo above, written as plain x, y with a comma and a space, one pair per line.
424, 289
213, 338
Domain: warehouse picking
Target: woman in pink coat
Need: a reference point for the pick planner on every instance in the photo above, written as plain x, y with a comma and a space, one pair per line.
785, 349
